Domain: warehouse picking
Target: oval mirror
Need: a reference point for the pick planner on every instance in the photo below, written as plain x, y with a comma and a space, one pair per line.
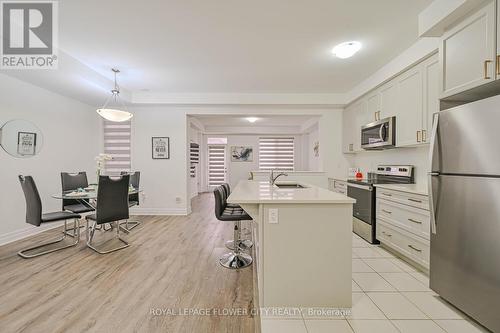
21, 138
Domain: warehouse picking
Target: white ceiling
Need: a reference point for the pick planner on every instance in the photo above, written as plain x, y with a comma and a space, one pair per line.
226, 46
262, 120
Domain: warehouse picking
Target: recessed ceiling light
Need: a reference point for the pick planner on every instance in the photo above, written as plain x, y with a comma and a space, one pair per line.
346, 50
252, 119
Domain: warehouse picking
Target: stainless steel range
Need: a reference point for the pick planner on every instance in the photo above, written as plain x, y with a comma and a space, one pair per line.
364, 223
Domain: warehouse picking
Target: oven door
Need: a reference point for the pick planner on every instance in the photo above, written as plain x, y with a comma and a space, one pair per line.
363, 208
379, 135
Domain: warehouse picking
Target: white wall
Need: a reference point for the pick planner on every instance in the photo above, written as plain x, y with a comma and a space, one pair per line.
71, 132
314, 163
237, 171
163, 181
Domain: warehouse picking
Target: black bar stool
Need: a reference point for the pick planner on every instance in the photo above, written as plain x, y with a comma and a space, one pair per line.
244, 244
235, 259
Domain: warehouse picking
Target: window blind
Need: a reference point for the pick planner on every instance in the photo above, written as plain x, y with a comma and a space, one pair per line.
216, 165
194, 152
276, 153
117, 138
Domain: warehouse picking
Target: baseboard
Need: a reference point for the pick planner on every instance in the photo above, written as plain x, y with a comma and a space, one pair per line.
27, 232
159, 211
31, 231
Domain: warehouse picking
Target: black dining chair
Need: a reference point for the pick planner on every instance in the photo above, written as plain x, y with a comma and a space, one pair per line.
71, 182
133, 200
35, 217
112, 207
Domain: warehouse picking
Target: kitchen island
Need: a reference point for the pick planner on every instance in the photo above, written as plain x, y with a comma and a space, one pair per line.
303, 238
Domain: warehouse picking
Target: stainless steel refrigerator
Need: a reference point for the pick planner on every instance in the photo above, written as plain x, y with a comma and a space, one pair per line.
464, 193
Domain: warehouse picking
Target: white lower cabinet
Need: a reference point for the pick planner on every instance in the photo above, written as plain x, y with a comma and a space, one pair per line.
403, 242
403, 224
337, 185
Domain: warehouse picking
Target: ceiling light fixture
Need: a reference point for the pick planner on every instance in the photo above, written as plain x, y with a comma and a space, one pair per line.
346, 50
114, 109
252, 119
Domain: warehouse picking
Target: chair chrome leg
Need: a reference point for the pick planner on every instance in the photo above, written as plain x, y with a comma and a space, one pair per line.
236, 259
70, 231
128, 225
92, 232
76, 236
244, 244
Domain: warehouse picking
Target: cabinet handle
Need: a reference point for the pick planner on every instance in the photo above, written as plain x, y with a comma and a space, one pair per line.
385, 233
386, 211
424, 135
418, 136
415, 200
414, 248
486, 62
387, 194
498, 65
414, 221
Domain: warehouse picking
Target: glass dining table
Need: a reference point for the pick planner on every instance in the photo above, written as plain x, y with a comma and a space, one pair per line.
88, 197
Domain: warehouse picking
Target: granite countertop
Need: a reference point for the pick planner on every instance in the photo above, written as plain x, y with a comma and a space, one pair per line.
256, 192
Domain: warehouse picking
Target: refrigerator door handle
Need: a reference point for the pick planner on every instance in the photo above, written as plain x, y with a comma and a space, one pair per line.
431, 201
432, 173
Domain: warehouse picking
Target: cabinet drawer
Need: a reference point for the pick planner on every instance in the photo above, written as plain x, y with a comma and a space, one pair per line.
410, 246
411, 219
410, 199
340, 184
338, 190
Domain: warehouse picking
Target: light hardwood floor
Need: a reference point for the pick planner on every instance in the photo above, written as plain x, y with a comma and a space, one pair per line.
172, 263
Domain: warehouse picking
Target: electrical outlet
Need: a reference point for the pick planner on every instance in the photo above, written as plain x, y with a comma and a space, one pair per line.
178, 200
273, 215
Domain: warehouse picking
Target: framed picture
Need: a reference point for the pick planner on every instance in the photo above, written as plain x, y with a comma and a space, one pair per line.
316, 148
241, 154
26, 143
160, 148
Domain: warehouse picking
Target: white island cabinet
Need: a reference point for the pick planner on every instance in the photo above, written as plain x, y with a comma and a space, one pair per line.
303, 242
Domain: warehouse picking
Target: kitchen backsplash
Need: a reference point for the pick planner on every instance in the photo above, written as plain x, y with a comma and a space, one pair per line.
416, 156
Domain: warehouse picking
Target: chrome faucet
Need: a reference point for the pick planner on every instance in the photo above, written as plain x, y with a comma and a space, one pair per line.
272, 179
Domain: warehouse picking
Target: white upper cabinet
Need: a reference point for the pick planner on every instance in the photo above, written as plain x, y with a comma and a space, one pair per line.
388, 100
413, 97
354, 117
430, 73
372, 107
468, 52
348, 125
409, 100
360, 120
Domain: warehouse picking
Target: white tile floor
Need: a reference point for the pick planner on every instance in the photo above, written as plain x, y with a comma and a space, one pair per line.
389, 296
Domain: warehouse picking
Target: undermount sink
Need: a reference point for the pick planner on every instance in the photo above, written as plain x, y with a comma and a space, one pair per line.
289, 185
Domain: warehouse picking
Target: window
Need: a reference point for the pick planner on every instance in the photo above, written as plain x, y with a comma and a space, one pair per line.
216, 165
117, 137
276, 153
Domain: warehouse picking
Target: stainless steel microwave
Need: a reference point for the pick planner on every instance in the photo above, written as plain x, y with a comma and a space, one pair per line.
379, 135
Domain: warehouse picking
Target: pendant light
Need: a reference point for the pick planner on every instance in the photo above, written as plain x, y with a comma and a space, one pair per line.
114, 109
